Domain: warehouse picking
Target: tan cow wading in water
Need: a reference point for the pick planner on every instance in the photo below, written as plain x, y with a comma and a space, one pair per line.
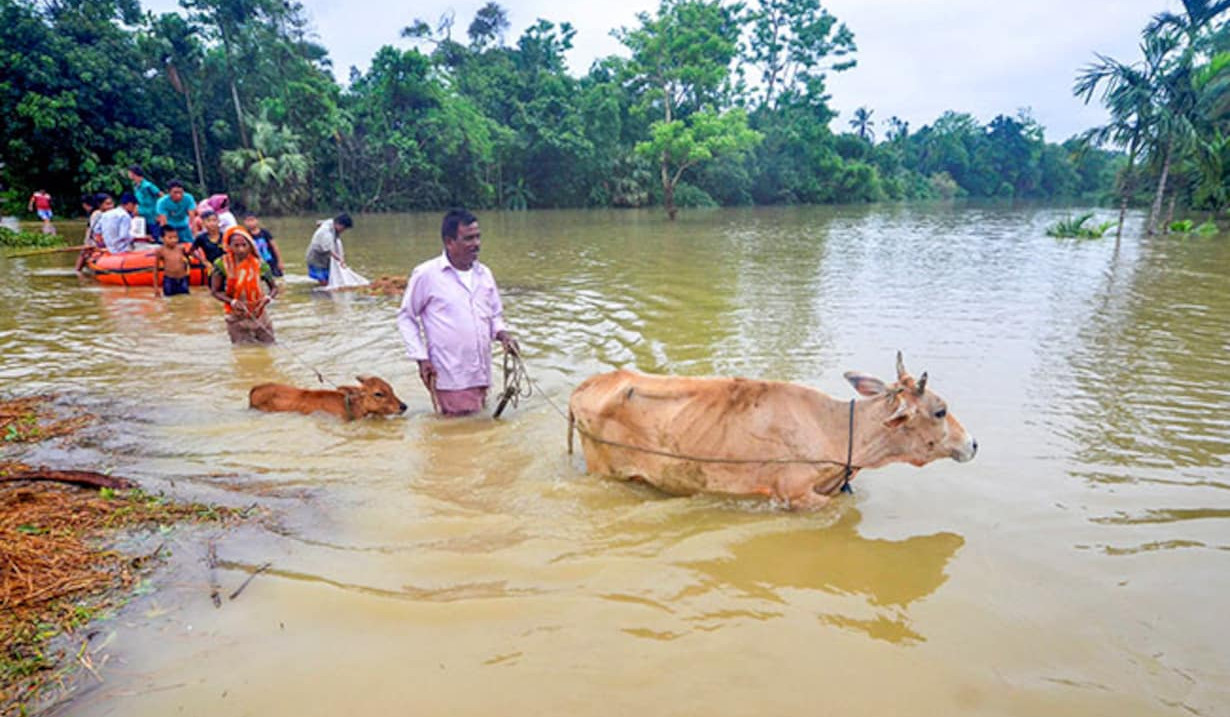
743, 437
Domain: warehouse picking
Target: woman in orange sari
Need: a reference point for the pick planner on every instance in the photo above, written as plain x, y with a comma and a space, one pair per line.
238, 281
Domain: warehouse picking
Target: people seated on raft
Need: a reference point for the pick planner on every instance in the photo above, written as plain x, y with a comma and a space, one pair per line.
209, 241
239, 280
147, 194
177, 208
115, 225
221, 205
89, 205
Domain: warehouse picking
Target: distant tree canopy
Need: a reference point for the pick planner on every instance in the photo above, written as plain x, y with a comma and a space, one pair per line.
717, 103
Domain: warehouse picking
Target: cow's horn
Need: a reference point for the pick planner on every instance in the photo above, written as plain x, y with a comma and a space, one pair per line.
901, 374
922, 384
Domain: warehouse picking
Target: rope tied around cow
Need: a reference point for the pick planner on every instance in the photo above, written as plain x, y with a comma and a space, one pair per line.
518, 384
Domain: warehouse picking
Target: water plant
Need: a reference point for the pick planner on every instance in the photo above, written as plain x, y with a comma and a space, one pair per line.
1074, 228
24, 239
1187, 226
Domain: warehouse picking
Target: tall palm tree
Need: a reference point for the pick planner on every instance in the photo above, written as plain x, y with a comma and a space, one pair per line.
1127, 91
1178, 90
862, 123
1193, 23
1176, 135
898, 129
171, 40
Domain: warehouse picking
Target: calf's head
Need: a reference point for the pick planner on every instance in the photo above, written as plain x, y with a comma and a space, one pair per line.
918, 427
372, 397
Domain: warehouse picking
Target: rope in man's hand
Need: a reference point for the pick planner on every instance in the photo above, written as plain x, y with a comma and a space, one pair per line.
517, 383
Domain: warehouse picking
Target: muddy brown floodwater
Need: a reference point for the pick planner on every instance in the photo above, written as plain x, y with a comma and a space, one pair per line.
1080, 565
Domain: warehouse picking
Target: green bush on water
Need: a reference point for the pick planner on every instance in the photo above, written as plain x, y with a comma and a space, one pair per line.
1187, 226
1074, 228
10, 239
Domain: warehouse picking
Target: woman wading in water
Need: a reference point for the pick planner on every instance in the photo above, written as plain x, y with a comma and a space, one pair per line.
238, 280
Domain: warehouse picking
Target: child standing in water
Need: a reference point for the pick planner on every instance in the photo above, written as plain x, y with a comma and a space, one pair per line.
171, 261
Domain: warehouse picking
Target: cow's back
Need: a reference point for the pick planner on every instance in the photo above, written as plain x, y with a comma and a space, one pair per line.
689, 435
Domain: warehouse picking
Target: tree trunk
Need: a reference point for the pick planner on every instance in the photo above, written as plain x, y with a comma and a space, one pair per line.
243, 132
230, 70
88, 479
1127, 192
668, 192
1170, 213
1156, 211
196, 139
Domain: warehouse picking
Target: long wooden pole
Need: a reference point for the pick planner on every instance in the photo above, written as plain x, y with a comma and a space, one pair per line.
55, 250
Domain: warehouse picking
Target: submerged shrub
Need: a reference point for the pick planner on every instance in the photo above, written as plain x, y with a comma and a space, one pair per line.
10, 238
1074, 228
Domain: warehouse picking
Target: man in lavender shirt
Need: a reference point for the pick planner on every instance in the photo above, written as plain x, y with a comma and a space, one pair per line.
449, 316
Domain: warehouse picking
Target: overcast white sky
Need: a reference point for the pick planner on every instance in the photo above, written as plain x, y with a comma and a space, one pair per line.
916, 58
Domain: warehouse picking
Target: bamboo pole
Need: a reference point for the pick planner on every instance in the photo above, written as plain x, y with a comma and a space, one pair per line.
53, 250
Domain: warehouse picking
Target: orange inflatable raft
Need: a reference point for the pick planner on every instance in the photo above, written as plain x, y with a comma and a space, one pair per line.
136, 268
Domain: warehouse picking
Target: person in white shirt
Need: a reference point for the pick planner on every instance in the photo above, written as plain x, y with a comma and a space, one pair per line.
326, 245
115, 225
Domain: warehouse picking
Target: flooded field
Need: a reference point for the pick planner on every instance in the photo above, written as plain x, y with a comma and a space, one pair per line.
1077, 566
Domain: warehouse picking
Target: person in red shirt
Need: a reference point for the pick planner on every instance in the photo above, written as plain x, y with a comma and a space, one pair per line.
40, 201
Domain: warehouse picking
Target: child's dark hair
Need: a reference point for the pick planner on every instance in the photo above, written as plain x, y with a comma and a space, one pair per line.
136, 169
173, 184
90, 201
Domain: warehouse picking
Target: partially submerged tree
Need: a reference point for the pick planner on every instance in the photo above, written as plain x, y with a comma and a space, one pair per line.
1127, 91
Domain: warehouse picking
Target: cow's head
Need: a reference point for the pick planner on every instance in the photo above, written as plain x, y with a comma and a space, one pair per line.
372, 397
920, 428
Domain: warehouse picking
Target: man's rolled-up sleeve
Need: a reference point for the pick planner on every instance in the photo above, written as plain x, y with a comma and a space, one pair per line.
497, 309
408, 318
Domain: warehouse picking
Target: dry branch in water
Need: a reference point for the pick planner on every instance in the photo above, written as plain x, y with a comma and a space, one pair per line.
86, 479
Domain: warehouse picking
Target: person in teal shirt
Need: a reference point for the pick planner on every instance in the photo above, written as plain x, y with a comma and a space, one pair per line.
147, 194
176, 208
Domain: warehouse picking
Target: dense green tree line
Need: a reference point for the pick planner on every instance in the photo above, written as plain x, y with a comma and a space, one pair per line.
716, 103
1170, 110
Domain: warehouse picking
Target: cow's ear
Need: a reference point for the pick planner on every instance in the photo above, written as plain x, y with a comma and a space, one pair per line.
864, 384
351, 390
363, 379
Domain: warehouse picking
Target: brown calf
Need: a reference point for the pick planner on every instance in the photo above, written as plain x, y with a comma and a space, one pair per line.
372, 397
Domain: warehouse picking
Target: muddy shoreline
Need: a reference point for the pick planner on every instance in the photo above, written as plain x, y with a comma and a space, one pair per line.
74, 551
